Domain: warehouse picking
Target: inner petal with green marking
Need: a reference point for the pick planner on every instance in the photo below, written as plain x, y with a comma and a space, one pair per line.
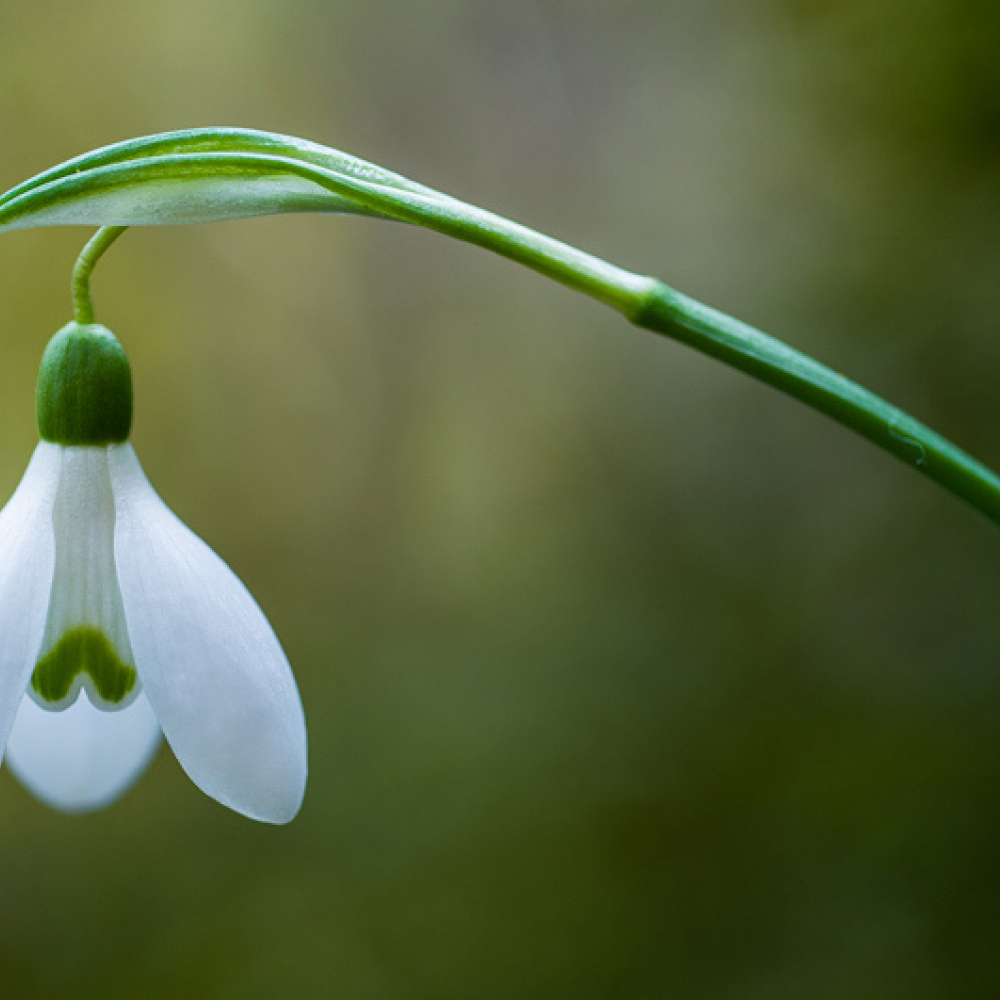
86, 645
83, 651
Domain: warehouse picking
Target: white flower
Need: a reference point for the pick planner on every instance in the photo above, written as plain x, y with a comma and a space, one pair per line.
117, 622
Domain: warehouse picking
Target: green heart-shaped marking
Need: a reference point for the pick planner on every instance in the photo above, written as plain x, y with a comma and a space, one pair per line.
83, 650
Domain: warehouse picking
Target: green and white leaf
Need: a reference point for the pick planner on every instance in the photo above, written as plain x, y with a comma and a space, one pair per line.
210, 174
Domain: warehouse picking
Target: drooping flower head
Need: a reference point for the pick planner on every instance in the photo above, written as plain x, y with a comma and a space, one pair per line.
118, 622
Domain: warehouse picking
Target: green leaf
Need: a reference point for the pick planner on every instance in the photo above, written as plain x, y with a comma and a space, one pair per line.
180, 177
205, 175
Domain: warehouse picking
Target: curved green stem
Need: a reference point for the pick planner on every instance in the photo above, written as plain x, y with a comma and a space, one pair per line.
83, 306
217, 173
740, 345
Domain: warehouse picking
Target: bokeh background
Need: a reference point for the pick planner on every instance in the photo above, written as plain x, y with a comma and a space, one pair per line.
625, 676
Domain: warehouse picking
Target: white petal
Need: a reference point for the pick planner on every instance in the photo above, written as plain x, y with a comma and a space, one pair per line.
209, 663
27, 558
85, 593
81, 758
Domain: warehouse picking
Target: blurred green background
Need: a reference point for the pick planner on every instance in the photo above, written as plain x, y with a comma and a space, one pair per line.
625, 676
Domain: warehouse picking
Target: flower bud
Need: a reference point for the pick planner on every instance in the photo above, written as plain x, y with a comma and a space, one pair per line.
84, 388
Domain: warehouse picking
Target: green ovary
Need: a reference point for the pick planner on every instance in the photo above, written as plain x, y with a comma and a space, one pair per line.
83, 650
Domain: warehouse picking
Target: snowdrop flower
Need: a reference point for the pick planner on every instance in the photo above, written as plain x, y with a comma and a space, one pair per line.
117, 621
